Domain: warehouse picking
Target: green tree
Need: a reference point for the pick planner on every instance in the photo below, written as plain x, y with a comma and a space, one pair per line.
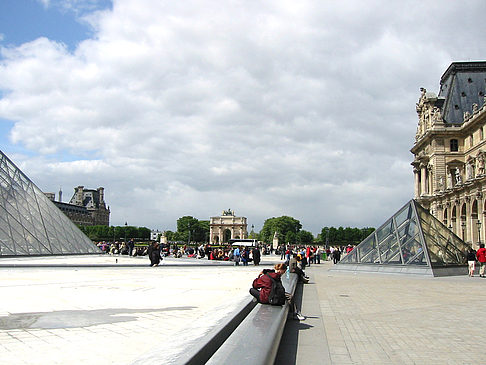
291, 238
143, 233
202, 232
170, 235
282, 225
305, 238
343, 236
189, 228
186, 226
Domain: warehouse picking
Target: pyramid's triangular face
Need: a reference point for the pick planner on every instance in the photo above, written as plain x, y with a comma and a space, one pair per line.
411, 240
30, 224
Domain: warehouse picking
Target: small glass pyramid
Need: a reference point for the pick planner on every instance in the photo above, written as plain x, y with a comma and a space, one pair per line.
30, 224
411, 241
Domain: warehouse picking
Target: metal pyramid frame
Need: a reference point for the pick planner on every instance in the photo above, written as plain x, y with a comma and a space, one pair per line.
412, 241
30, 224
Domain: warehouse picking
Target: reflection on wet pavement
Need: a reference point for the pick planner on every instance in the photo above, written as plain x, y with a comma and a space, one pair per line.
76, 318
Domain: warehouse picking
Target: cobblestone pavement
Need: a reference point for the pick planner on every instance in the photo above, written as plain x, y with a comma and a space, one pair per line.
392, 319
110, 315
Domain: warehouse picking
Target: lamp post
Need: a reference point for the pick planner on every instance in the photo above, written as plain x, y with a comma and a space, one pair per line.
327, 238
189, 235
463, 225
479, 231
126, 224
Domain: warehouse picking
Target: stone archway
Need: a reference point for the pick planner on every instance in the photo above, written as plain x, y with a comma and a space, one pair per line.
226, 235
227, 226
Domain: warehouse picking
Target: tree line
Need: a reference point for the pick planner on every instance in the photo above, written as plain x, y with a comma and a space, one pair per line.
189, 229
115, 233
288, 230
343, 236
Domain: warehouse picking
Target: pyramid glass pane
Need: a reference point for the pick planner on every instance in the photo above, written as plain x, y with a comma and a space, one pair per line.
410, 238
367, 251
388, 248
404, 215
446, 248
30, 224
395, 259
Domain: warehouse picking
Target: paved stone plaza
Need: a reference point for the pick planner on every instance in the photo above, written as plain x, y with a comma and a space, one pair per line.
392, 319
102, 314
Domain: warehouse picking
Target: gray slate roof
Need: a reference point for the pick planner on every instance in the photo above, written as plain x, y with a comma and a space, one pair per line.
462, 85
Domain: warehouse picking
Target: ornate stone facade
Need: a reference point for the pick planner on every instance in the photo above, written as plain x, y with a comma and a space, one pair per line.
450, 151
227, 226
87, 207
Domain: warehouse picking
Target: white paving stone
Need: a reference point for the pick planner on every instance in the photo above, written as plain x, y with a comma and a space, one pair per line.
111, 315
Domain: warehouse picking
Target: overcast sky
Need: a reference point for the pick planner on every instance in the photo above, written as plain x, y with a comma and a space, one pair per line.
270, 108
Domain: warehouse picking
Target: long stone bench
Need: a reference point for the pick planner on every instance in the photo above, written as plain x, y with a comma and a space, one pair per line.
256, 339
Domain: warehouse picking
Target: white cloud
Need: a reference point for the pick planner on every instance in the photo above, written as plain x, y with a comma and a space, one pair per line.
45, 3
304, 109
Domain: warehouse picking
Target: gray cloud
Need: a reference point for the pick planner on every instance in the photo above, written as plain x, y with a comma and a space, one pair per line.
267, 108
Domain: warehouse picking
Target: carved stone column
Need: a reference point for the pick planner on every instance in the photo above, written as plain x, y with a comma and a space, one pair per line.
423, 175
416, 173
430, 180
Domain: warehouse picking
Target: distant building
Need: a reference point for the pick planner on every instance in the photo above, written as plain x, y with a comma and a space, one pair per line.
87, 206
227, 226
450, 151
154, 235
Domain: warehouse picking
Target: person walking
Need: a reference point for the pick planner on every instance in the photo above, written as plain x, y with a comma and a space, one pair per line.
245, 256
237, 256
256, 256
471, 261
481, 256
153, 253
131, 246
336, 256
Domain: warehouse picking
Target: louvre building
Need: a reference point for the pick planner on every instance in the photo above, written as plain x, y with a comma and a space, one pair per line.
450, 151
432, 233
30, 223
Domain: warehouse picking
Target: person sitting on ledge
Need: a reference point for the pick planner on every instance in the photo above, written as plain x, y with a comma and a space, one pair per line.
293, 267
263, 284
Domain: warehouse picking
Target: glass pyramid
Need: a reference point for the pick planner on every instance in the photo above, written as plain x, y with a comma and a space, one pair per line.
30, 224
411, 241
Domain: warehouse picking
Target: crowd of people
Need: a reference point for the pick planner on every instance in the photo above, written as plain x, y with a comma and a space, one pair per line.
239, 255
294, 256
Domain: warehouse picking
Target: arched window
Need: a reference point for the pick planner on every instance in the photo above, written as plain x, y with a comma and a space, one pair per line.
474, 210
454, 145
